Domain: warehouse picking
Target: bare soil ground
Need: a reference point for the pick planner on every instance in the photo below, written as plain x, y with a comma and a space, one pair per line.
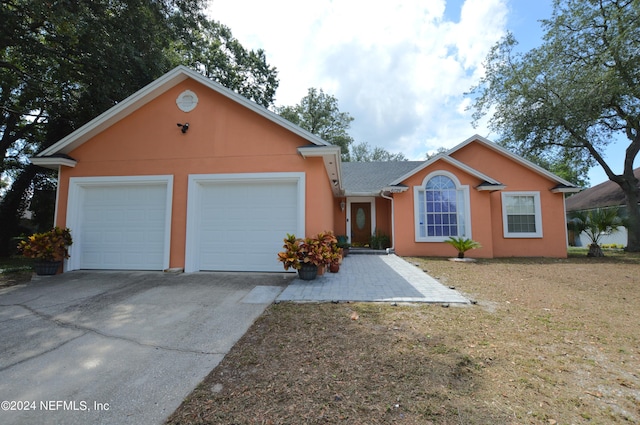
15, 278
548, 342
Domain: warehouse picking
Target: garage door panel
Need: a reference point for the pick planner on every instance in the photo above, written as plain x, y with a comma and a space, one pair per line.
123, 226
240, 224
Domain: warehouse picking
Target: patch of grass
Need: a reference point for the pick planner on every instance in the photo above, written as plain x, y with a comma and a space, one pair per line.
15, 270
15, 263
610, 253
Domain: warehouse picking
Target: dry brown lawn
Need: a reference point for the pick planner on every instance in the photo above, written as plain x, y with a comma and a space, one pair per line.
548, 342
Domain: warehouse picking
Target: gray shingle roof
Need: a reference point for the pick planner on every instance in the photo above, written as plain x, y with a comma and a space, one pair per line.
605, 194
371, 177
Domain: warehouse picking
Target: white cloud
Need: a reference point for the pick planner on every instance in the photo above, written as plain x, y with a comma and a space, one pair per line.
399, 68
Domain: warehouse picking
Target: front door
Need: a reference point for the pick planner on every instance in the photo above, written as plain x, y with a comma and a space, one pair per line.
360, 223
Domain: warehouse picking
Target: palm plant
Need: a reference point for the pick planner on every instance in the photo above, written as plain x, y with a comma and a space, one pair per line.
595, 224
462, 245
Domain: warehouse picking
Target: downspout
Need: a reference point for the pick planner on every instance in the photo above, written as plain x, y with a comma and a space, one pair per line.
566, 229
55, 208
393, 224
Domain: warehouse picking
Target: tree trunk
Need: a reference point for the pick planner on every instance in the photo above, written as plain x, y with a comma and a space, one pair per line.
633, 221
11, 209
595, 251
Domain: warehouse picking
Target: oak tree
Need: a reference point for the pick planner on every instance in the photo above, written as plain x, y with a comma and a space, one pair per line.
575, 94
319, 114
63, 63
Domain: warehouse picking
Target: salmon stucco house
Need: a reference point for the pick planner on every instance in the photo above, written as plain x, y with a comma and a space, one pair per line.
188, 174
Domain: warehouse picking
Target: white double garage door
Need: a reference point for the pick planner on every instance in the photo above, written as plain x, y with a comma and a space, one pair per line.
234, 222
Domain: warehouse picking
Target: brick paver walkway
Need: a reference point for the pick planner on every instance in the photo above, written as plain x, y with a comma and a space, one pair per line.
386, 278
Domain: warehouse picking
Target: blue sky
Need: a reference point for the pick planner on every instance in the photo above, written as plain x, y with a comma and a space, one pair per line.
399, 68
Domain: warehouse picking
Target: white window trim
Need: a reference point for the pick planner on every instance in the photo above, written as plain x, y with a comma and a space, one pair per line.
416, 207
75, 200
538, 216
194, 199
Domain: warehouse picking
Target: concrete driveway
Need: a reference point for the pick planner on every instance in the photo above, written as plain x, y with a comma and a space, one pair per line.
119, 347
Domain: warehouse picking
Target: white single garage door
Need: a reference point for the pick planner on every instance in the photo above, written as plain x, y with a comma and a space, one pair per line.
121, 225
238, 222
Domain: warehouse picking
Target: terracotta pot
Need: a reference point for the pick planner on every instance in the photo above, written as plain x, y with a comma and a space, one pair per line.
334, 267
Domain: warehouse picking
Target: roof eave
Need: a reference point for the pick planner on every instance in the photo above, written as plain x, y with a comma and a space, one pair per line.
332, 162
361, 194
565, 189
490, 187
452, 161
395, 189
53, 162
496, 147
118, 112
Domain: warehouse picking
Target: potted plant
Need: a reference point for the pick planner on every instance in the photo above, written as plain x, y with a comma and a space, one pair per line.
307, 255
462, 245
343, 243
380, 241
48, 249
302, 255
336, 258
326, 244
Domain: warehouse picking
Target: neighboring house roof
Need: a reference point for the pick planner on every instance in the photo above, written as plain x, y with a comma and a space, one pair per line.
605, 194
369, 178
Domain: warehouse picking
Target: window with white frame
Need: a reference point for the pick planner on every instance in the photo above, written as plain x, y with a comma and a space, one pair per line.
441, 208
521, 215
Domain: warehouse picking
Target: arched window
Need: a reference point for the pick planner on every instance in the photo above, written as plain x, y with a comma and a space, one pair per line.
441, 208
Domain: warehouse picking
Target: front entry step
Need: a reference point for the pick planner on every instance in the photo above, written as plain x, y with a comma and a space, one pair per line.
368, 251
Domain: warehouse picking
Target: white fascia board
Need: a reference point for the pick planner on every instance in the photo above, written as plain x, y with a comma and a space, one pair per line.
490, 187
332, 162
452, 161
315, 151
395, 189
361, 194
155, 89
496, 147
117, 112
53, 162
566, 190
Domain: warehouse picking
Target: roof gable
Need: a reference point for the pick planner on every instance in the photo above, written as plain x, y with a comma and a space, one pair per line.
563, 185
152, 91
444, 157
